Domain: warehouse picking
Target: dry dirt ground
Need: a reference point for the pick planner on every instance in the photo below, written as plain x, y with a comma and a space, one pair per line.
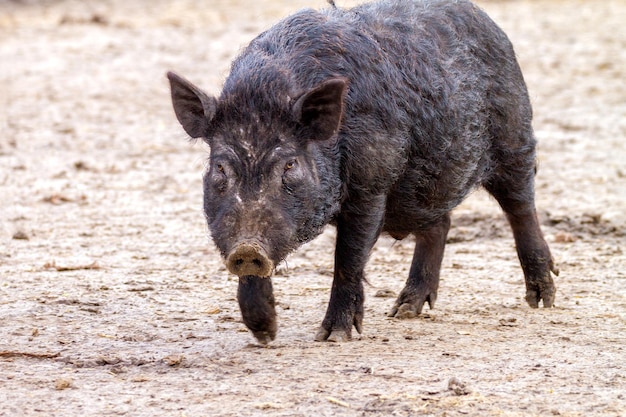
114, 302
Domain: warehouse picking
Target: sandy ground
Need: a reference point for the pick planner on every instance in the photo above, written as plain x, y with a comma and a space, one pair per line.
114, 302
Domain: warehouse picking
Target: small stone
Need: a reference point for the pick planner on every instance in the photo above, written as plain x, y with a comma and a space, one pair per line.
564, 237
385, 293
20, 235
62, 383
458, 387
173, 360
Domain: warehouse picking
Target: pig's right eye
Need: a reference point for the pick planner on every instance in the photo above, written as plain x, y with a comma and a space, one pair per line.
218, 178
220, 170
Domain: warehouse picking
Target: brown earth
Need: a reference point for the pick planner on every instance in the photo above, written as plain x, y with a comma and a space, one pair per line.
113, 302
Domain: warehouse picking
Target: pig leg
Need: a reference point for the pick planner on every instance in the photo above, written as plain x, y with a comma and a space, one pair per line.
356, 235
515, 193
256, 301
535, 258
423, 281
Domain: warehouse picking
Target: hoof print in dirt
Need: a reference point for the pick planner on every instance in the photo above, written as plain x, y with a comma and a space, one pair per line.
377, 119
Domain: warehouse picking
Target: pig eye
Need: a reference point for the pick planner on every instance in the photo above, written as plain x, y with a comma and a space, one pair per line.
220, 168
289, 165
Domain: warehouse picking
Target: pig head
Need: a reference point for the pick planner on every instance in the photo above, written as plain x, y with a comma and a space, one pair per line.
272, 182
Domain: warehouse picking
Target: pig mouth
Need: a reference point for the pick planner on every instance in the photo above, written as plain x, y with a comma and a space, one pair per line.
249, 259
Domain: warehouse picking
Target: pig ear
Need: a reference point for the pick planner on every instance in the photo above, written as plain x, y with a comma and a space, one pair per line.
319, 110
193, 107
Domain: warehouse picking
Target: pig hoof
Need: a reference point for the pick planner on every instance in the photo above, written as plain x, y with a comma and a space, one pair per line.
548, 300
409, 307
264, 337
405, 311
533, 297
336, 336
322, 335
338, 322
339, 336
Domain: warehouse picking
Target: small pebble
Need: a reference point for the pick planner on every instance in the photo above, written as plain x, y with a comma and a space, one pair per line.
20, 235
62, 383
458, 387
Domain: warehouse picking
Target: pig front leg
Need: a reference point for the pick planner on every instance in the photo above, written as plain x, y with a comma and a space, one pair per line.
356, 235
256, 301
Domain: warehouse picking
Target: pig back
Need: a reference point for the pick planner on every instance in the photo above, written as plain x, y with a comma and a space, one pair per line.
424, 79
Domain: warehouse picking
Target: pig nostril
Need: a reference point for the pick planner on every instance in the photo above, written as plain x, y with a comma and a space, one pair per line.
249, 259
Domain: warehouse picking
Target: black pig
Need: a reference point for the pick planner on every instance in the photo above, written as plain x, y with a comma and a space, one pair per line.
380, 118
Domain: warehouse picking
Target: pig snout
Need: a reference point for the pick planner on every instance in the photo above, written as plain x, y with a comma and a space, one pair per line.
249, 259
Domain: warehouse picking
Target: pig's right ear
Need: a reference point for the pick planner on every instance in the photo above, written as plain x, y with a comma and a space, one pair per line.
193, 107
319, 110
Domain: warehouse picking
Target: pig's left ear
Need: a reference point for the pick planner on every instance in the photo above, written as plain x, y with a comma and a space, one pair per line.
193, 107
319, 110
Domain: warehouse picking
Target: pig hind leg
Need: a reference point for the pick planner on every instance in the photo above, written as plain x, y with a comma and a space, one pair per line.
512, 185
423, 281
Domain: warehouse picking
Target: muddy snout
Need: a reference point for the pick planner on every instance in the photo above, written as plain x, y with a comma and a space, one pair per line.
249, 259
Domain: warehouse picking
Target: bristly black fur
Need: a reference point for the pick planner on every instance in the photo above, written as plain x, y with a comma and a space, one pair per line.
380, 118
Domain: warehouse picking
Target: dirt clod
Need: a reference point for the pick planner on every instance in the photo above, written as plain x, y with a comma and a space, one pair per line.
20, 235
458, 387
62, 383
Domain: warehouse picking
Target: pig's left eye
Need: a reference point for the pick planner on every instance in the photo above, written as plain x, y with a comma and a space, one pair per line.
288, 177
289, 165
